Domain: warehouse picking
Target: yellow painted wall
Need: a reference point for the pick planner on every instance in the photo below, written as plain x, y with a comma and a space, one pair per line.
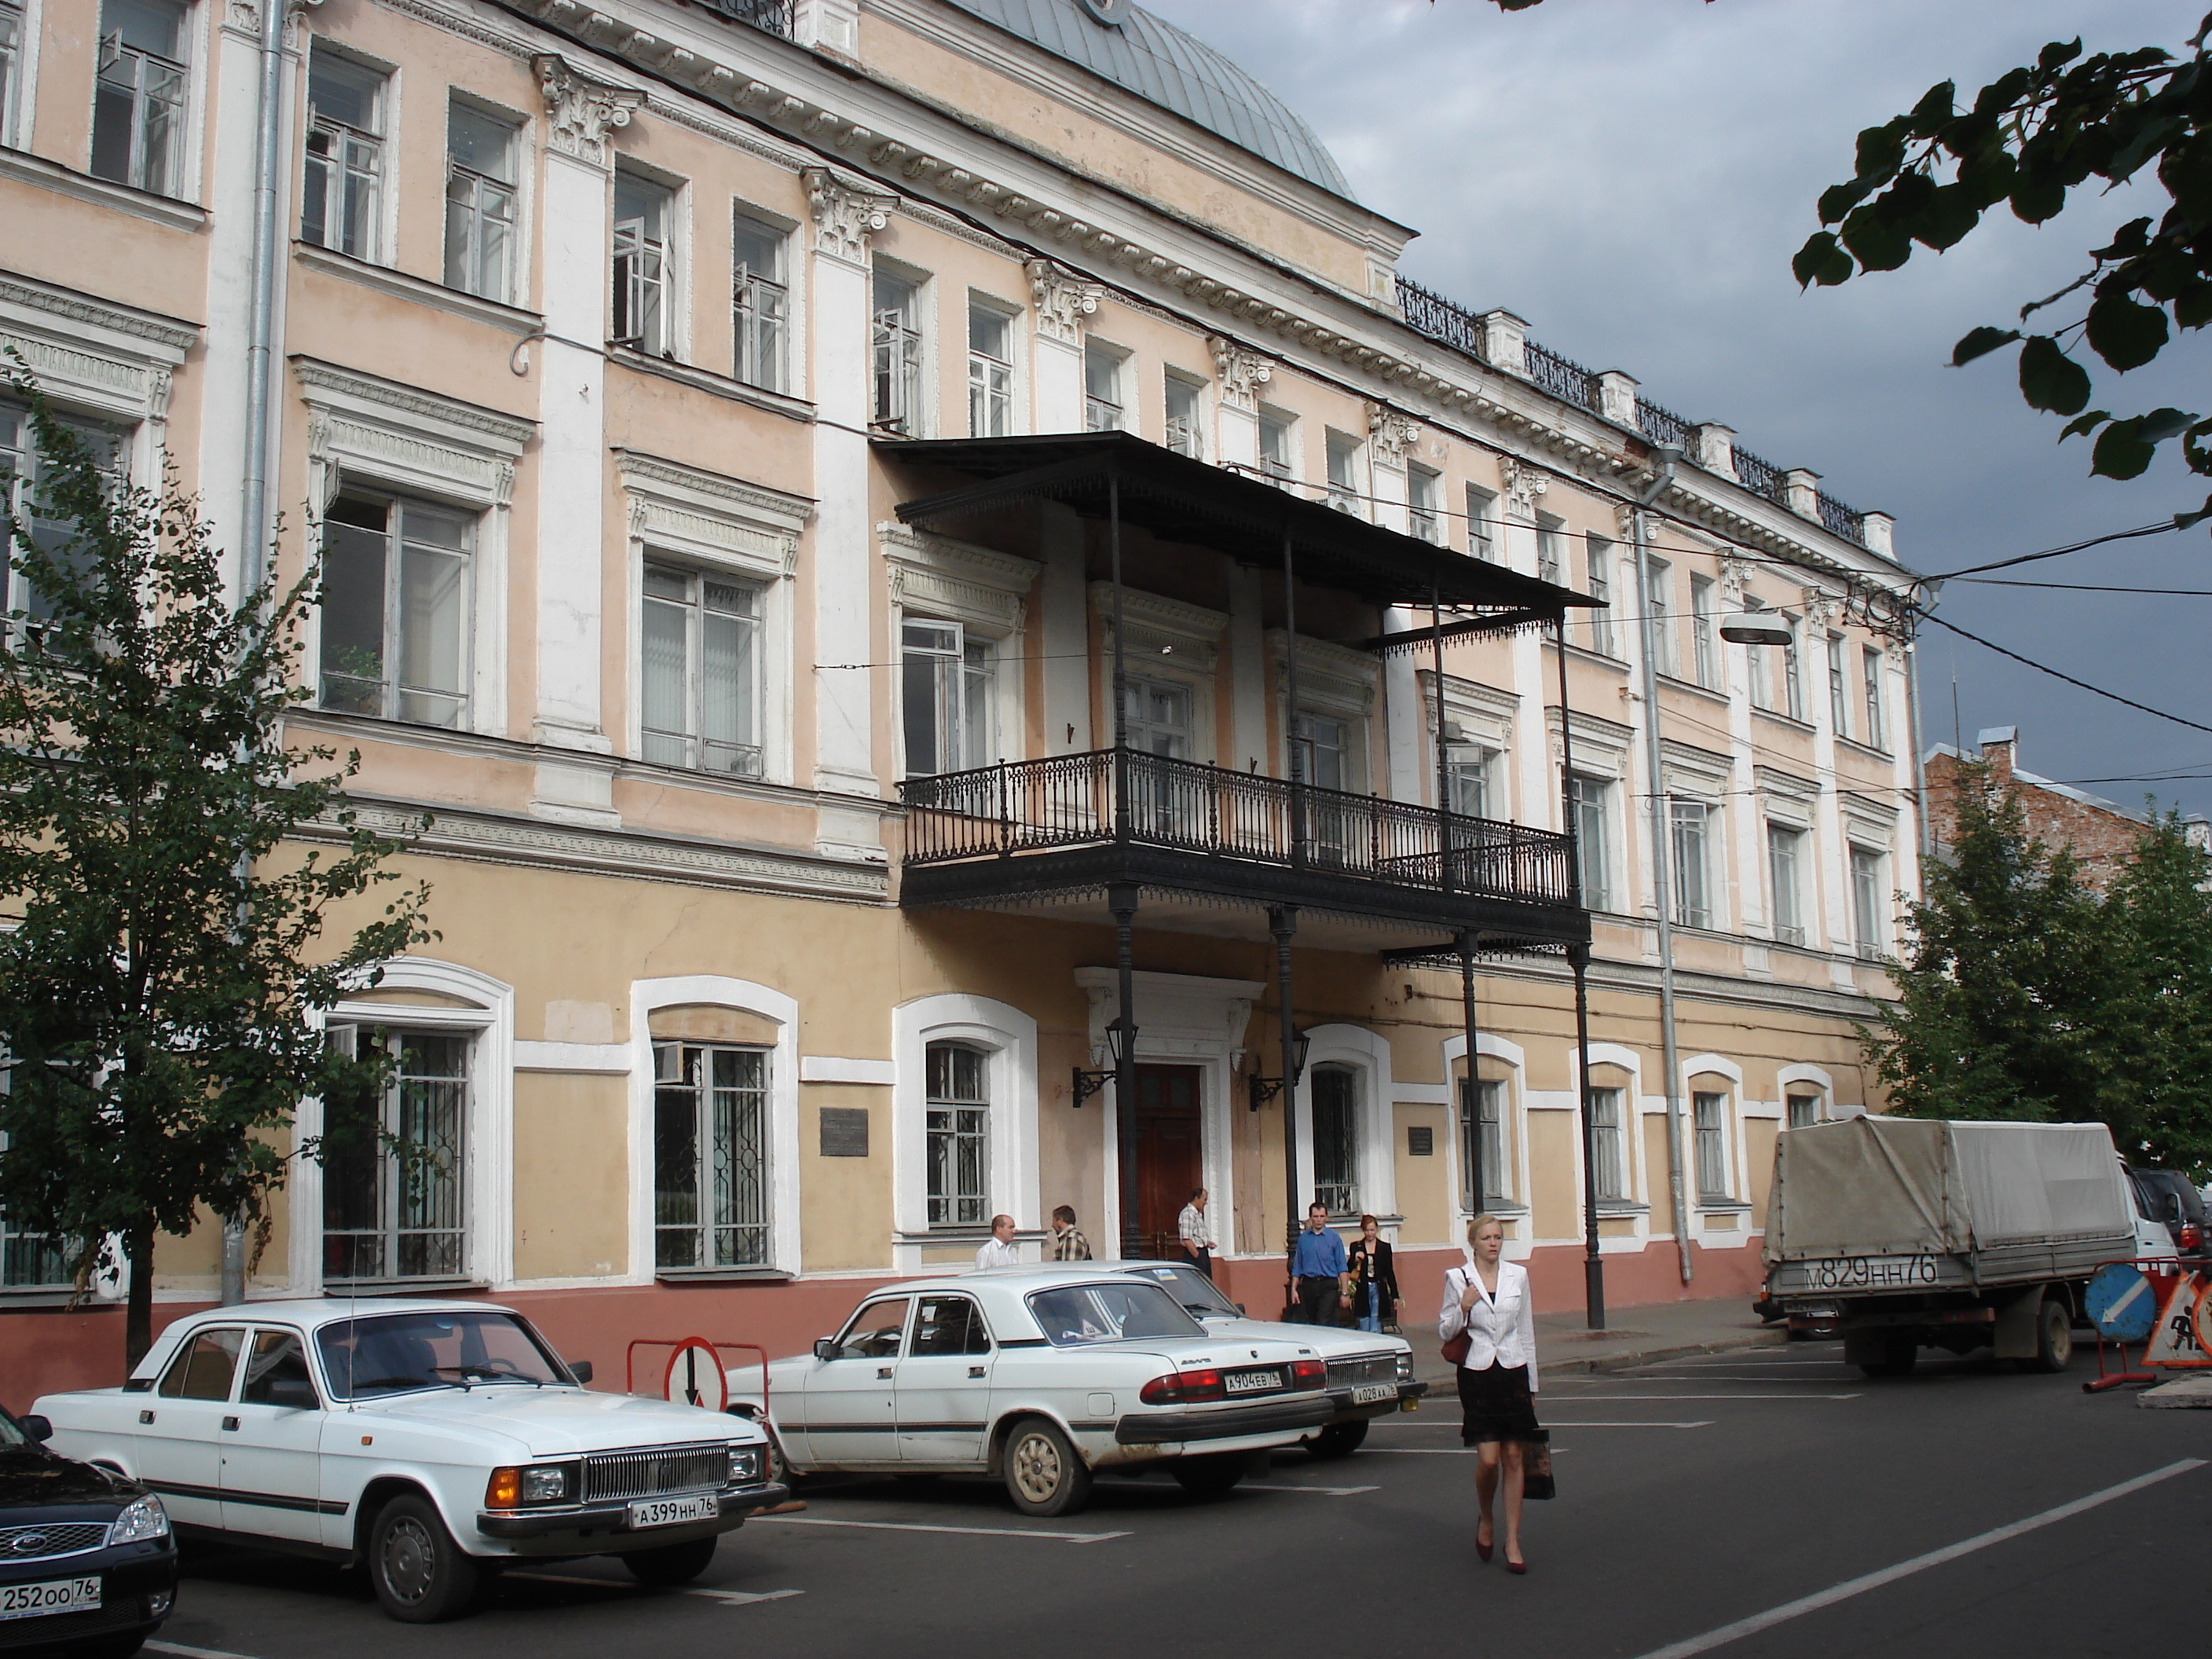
1424, 1183
571, 1175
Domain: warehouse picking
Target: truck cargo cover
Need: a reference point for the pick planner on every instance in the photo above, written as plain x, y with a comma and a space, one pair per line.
1884, 1185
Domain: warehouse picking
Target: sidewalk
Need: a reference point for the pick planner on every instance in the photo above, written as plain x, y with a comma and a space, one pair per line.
1632, 1336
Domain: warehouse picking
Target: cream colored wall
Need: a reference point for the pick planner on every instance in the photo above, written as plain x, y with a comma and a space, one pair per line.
572, 1176
1424, 1183
845, 1203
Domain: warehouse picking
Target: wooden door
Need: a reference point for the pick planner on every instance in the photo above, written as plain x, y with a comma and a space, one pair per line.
1169, 1155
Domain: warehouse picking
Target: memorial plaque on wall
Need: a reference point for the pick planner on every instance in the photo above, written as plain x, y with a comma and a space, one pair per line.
1421, 1140
844, 1131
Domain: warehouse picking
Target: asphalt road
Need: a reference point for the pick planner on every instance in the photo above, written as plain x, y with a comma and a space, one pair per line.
1694, 1495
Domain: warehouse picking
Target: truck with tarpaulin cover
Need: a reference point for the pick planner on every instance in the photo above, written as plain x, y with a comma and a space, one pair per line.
1909, 1233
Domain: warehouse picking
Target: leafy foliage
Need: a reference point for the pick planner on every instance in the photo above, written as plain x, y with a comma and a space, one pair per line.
158, 992
2158, 1011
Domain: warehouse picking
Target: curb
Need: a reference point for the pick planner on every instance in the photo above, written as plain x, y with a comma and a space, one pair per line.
1623, 1362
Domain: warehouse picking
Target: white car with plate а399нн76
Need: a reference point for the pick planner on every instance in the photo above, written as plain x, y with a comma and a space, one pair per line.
432, 1442
1040, 1377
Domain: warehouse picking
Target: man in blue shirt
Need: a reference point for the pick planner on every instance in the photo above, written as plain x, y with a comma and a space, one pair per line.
1317, 1265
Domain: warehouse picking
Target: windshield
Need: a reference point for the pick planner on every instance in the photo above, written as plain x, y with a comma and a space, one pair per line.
392, 1353
1109, 1313
11, 1432
1193, 1288
2159, 1185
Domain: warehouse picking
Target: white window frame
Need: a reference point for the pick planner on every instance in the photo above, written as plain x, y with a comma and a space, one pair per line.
1684, 812
1513, 1127
382, 218
1367, 1053
1551, 549
669, 339
185, 143
1283, 469
1870, 923
1659, 605
513, 285
1100, 412
1793, 670
19, 75
1482, 524
394, 636
1715, 1139
937, 580
1704, 645
1871, 664
965, 674
1008, 1040
931, 1104
697, 608
1597, 895
1839, 686
1786, 909
1807, 1080
1424, 495
1184, 434
1620, 1147
1599, 564
750, 294
904, 346
993, 394
1343, 454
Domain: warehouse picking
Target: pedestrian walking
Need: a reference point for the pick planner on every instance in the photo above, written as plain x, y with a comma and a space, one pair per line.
998, 1249
1196, 1230
1068, 1244
1374, 1277
1318, 1267
1489, 1316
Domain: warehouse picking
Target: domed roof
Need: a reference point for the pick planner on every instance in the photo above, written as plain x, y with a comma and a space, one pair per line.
1161, 63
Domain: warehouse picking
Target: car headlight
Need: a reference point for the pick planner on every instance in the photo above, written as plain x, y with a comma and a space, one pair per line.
548, 1483
144, 1520
1405, 1368
745, 1465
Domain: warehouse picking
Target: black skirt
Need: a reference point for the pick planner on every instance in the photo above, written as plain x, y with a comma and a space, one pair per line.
1496, 1404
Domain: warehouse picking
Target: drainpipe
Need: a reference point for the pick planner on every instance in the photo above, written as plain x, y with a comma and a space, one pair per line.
1662, 871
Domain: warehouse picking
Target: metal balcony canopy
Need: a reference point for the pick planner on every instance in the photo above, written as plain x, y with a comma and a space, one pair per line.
1179, 499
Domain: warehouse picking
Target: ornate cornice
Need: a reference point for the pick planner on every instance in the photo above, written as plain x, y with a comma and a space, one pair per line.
506, 431
846, 212
178, 336
584, 109
1063, 300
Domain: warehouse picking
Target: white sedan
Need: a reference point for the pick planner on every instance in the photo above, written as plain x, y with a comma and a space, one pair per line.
1042, 1377
433, 1442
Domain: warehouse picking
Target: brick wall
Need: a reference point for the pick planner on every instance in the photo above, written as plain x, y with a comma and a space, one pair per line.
2102, 836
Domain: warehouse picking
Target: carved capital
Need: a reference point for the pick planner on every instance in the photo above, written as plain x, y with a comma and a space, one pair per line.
1391, 433
846, 213
1734, 572
1242, 372
1522, 486
1822, 609
1624, 518
1063, 300
584, 110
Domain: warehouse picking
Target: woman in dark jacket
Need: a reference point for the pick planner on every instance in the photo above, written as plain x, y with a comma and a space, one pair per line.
1374, 1278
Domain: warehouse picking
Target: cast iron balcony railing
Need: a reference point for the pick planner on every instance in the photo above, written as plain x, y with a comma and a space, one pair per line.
1069, 801
776, 16
1664, 426
1759, 477
1562, 379
1428, 313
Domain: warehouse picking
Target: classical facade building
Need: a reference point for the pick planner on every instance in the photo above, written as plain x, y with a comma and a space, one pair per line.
957, 620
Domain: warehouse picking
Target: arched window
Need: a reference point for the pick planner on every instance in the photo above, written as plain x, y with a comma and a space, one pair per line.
958, 1132
1336, 1138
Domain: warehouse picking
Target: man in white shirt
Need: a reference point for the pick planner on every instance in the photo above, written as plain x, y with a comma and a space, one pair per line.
1197, 1232
999, 1250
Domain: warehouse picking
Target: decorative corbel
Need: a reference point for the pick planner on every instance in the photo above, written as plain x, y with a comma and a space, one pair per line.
1062, 299
1391, 433
846, 213
584, 110
1241, 371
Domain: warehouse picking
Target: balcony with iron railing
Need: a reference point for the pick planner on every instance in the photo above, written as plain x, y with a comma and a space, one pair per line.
776, 16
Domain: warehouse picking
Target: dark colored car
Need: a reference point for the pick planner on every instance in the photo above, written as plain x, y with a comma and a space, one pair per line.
2162, 1195
87, 1564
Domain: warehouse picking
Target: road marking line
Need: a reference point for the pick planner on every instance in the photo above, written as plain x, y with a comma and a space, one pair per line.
918, 1526
1455, 1451
736, 1598
739, 1598
1718, 1396
1326, 1492
1720, 1376
193, 1653
1850, 1586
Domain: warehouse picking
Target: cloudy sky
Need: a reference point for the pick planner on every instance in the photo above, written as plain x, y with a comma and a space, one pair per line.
1633, 176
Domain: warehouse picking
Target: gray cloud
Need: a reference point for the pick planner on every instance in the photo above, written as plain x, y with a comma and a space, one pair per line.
1632, 177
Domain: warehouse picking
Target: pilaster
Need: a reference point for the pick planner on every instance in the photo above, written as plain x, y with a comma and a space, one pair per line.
1061, 300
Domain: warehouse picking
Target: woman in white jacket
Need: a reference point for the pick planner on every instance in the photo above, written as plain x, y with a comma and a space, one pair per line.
1488, 1301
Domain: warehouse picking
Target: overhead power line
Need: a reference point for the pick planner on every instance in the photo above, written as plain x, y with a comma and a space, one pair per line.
2044, 668
2165, 529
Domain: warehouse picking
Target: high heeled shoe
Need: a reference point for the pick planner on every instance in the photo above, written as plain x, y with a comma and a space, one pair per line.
1516, 1566
1482, 1551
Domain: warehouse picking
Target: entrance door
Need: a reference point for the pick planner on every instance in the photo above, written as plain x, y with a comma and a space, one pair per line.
1169, 1162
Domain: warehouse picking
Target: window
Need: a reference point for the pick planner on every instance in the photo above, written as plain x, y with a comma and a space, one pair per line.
700, 676
1185, 436
1793, 677
1102, 388
1608, 1145
1275, 443
394, 1160
1709, 1120
1325, 749
1590, 798
1784, 850
276, 1372
1157, 717
1467, 775
897, 355
23, 477
342, 191
947, 683
1551, 547
1598, 554
1482, 1129
1482, 524
1706, 660
138, 101
709, 1156
32, 1261
11, 60
957, 1135
1343, 452
204, 1370
1423, 492
1803, 1110
1659, 605
644, 316
1692, 822
1870, 669
395, 616
990, 372
1839, 693
1336, 1138
1867, 889
480, 199
949, 1325
760, 302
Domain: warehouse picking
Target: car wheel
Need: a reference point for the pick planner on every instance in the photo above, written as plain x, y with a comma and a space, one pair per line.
2054, 1336
1339, 1439
671, 1563
1210, 1475
1044, 1473
420, 1573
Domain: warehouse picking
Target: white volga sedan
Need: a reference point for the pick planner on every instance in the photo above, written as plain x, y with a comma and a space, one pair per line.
1042, 1377
432, 1442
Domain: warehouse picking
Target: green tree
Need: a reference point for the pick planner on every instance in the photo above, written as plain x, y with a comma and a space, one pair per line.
159, 991
2001, 990
2158, 1021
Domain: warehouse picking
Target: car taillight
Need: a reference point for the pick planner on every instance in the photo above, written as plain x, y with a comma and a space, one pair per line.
1309, 1373
2192, 1235
1181, 1387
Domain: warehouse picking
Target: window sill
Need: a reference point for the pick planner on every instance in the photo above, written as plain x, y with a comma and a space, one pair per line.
1710, 693
1804, 728
33, 1298
127, 199
1504, 1208
512, 319
1866, 749
1592, 656
1722, 1207
722, 1276
718, 385
376, 1287
1622, 1207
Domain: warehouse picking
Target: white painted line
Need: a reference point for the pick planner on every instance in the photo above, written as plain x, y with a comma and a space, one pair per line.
1326, 1492
918, 1526
1850, 1586
1721, 1377
1609, 1398
735, 1598
1457, 1451
193, 1653
739, 1598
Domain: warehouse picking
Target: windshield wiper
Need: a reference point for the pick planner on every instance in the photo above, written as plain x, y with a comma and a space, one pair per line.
360, 1383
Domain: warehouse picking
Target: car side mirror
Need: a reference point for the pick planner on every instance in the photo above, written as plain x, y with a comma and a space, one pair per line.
1240, 1307
580, 1370
39, 1428
826, 1347
292, 1393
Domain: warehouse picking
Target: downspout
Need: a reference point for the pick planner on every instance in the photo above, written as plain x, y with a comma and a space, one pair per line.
1662, 871
253, 494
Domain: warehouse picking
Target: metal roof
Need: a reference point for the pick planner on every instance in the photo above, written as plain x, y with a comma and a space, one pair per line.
1161, 63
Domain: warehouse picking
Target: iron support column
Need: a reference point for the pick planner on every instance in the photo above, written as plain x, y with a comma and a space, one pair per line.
1122, 901
1470, 1089
1578, 959
1282, 923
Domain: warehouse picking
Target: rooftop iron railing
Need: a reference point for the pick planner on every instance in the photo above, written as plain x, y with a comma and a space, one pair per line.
1562, 378
1428, 313
1841, 521
776, 16
1019, 807
1761, 477
1664, 426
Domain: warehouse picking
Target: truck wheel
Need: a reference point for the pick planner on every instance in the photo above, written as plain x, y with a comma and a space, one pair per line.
1338, 1439
1899, 1356
671, 1563
2054, 1336
420, 1573
1045, 1475
1211, 1474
